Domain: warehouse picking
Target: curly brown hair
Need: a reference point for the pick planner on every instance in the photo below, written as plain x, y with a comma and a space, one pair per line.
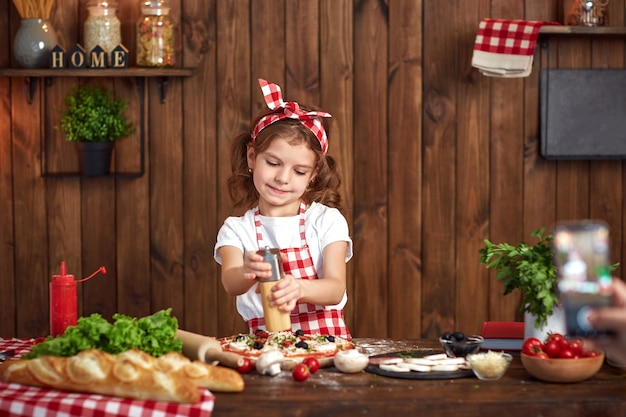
323, 189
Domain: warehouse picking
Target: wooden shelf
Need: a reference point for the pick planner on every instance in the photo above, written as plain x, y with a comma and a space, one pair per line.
132, 72
582, 31
127, 72
140, 74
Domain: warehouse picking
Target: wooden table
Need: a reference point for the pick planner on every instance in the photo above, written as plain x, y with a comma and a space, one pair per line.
330, 393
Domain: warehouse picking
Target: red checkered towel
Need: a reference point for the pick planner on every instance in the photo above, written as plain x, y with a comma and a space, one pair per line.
505, 48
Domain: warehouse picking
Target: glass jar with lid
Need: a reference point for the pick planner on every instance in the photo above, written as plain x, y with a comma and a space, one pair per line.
102, 26
586, 12
155, 35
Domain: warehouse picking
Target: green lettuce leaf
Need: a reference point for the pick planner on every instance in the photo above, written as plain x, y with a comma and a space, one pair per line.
155, 334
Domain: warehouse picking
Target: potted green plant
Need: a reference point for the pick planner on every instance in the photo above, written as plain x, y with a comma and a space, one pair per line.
93, 119
528, 268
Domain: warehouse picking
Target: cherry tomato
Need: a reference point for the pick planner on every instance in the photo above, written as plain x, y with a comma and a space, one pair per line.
552, 348
312, 363
39, 340
300, 372
557, 337
577, 346
532, 346
566, 353
590, 354
564, 343
261, 334
246, 367
542, 355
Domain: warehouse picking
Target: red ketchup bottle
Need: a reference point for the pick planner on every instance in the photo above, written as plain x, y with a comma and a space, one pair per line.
62, 302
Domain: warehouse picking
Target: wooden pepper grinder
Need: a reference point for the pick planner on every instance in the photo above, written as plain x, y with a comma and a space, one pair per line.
275, 319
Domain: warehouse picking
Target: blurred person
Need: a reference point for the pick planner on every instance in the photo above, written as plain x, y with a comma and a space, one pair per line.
612, 319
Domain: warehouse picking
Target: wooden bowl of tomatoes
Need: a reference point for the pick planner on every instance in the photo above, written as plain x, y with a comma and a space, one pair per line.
558, 359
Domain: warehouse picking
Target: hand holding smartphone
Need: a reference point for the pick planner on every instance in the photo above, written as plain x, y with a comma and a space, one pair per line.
581, 253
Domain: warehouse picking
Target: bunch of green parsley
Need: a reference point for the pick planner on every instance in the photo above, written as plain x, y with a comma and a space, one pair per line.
155, 334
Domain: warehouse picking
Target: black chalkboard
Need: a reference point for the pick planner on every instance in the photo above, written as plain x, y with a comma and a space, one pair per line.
583, 113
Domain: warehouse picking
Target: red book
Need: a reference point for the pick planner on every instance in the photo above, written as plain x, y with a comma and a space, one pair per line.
505, 335
502, 330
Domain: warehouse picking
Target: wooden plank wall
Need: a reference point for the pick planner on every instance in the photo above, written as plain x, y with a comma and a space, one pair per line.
435, 158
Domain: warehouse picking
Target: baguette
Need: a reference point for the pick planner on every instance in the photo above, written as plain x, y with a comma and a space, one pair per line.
131, 374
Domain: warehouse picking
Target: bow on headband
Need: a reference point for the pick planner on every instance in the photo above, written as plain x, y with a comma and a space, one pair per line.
291, 110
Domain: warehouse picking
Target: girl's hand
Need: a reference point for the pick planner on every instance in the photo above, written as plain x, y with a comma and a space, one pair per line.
286, 293
255, 267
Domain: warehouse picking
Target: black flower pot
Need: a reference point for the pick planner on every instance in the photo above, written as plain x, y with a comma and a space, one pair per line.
95, 158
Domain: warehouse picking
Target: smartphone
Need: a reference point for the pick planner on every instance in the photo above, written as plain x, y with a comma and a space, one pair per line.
581, 252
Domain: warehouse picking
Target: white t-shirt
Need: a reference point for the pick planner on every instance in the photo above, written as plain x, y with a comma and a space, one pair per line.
323, 225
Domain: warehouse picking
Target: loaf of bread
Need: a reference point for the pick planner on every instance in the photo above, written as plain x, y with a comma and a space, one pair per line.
131, 374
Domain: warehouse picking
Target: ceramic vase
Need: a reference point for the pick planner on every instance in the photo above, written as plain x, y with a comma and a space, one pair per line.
555, 324
34, 40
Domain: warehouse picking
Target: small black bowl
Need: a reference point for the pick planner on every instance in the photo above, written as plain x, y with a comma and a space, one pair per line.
461, 348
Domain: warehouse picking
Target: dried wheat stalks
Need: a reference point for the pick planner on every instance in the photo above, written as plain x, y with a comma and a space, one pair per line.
34, 9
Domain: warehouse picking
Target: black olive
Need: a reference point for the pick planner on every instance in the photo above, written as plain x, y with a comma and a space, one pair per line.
458, 336
299, 332
330, 338
302, 345
258, 345
446, 336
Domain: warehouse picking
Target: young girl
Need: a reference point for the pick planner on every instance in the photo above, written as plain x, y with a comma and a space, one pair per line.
282, 176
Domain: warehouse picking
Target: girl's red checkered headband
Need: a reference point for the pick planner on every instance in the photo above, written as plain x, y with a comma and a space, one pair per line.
290, 110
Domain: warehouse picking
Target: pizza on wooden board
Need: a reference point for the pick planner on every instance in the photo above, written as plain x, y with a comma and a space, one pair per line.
293, 345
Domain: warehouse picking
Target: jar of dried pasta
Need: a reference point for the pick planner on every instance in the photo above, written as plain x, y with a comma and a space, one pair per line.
155, 35
102, 26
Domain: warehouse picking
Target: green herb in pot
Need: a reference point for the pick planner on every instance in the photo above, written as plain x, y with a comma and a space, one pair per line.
528, 268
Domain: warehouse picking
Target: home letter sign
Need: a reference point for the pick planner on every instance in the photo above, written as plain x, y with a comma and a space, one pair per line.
97, 58
57, 58
78, 57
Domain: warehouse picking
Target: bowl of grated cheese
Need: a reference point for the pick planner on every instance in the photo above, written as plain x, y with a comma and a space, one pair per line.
489, 366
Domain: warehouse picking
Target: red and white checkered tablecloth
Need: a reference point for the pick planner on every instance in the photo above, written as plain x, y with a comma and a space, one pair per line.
21, 346
22, 400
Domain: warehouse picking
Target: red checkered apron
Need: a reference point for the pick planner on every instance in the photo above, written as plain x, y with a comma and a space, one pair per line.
310, 318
